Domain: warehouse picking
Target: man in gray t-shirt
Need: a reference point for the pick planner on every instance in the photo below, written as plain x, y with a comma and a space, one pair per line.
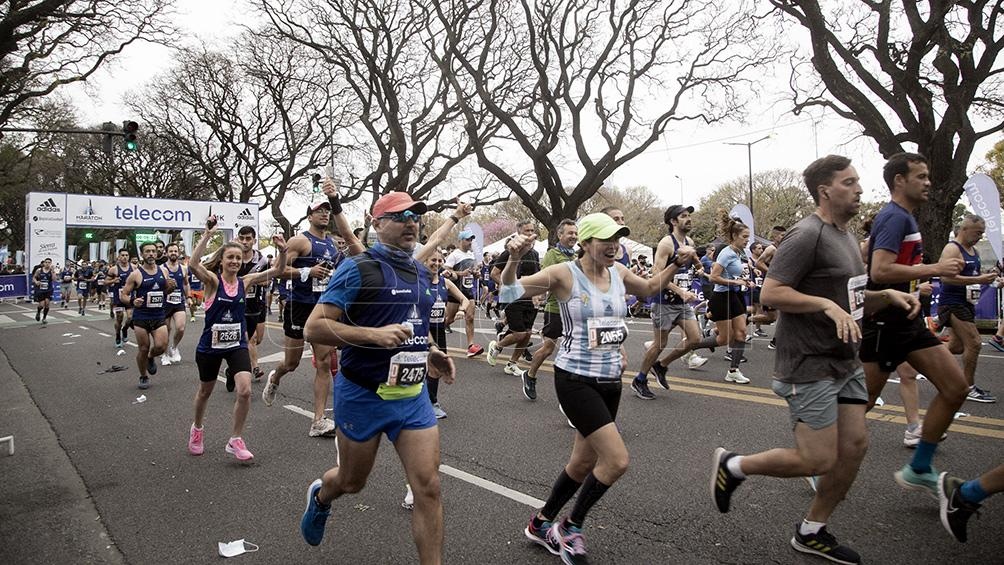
817, 281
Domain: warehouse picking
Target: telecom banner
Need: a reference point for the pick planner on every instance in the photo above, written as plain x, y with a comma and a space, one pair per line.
120, 212
46, 233
13, 286
985, 200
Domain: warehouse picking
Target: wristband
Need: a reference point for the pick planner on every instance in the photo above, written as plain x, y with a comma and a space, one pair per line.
336, 204
304, 274
455, 219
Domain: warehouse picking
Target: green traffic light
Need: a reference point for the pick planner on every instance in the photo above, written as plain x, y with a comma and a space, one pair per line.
131, 145
88, 235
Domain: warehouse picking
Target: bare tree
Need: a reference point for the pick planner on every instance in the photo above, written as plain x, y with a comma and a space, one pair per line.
583, 86
923, 75
45, 44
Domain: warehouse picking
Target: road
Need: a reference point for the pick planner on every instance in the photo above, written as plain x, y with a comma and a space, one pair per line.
99, 478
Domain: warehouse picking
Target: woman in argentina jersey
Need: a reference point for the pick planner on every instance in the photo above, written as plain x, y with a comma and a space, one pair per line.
224, 336
442, 290
588, 368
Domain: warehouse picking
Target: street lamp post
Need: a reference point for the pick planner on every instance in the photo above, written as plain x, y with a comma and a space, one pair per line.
749, 164
679, 178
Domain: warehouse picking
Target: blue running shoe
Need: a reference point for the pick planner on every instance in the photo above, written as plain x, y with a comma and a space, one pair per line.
923, 482
539, 536
570, 541
315, 516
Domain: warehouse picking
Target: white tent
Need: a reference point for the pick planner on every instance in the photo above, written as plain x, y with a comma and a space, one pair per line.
634, 248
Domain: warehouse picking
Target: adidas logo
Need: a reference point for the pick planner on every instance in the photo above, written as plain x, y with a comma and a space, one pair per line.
227, 317
48, 206
156, 286
245, 215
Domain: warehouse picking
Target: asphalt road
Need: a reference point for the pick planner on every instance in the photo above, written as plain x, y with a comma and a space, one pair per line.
98, 477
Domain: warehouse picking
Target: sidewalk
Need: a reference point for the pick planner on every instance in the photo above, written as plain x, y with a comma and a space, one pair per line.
46, 513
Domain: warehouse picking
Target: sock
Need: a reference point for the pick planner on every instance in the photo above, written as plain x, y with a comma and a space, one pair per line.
737, 353
45, 312
808, 527
922, 457
913, 427
972, 491
641, 377
592, 491
562, 491
734, 467
39, 310
432, 385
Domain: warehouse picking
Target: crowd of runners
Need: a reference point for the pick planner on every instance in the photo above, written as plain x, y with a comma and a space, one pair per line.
848, 314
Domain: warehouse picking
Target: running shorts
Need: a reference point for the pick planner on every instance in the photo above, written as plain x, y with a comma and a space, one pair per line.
588, 403
238, 361
889, 345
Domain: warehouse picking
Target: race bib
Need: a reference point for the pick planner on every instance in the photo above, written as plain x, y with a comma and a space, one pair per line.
174, 297
43, 285
67, 279
320, 285
758, 281
226, 336
438, 314
154, 299
82, 285
856, 295
467, 281
973, 292
118, 309
407, 368
683, 281
289, 284
606, 334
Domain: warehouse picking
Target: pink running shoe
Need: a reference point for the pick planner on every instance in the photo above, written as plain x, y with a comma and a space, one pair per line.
239, 450
195, 441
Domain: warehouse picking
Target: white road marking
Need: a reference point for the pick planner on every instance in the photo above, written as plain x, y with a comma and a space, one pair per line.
84, 328
131, 343
299, 411
103, 334
6, 319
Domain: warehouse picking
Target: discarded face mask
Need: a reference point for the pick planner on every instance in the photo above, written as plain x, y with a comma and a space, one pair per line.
235, 548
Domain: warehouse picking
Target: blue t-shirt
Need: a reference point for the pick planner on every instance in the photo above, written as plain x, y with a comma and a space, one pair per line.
732, 264
894, 229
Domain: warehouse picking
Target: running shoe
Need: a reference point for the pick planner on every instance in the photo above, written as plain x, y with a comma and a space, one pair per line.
736, 376
315, 516
195, 446
977, 394
723, 482
409, 499
813, 481
749, 338
448, 329
175, 355
144, 382
527, 356
258, 374
45, 322
499, 330
438, 411
529, 385
193, 318
151, 365
728, 358
540, 536
237, 448
165, 359
660, 374
268, 393
823, 544
474, 350
772, 344
641, 390
696, 361
38, 316
570, 541
493, 352
759, 333
512, 369
922, 482
323, 427
118, 344
997, 342
912, 436
955, 511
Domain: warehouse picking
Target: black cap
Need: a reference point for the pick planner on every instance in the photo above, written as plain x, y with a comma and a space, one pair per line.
675, 210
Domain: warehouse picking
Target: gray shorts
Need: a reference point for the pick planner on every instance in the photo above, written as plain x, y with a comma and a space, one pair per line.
666, 316
815, 403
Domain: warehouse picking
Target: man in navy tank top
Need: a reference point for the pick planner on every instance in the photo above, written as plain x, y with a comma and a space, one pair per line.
146, 289
386, 357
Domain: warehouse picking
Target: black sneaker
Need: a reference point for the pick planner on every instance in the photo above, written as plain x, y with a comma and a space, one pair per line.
772, 344
527, 356
529, 385
231, 384
258, 374
641, 390
38, 316
660, 374
723, 482
955, 511
151, 365
728, 357
144, 382
823, 544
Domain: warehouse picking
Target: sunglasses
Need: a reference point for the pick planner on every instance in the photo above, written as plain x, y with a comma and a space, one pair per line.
402, 217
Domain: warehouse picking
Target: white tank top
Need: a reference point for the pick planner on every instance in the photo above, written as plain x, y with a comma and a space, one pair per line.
593, 327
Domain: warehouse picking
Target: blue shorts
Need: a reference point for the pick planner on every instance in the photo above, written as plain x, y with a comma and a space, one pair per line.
360, 414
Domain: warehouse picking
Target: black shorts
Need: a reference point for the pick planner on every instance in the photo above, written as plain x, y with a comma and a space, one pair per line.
40, 296
149, 325
437, 334
963, 312
588, 404
888, 345
467, 292
171, 310
238, 361
520, 316
252, 324
295, 317
552, 325
726, 305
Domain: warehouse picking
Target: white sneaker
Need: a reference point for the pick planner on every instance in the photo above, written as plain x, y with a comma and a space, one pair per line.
736, 376
438, 411
165, 359
493, 352
175, 355
512, 369
696, 361
409, 499
322, 427
648, 345
268, 393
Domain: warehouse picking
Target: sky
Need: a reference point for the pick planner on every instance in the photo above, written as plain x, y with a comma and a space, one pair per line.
688, 163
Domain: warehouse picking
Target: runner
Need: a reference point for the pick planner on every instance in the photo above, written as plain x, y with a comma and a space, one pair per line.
66, 277
442, 289
174, 305
763, 265
891, 337
817, 280
225, 336
385, 357
959, 499
311, 257
43, 280
462, 267
84, 279
254, 309
588, 368
151, 284
116, 277
672, 304
959, 296
195, 292
623, 255
520, 314
161, 252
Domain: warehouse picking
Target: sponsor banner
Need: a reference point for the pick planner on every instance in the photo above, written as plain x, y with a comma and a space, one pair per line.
122, 212
13, 286
186, 240
92, 251
19, 258
71, 253
742, 212
985, 201
45, 231
105, 247
479, 239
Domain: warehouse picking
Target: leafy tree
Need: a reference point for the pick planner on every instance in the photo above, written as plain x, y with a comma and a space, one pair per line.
994, 167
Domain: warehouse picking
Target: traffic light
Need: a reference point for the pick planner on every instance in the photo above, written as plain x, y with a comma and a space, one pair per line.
89, 235
129, 129
106, 139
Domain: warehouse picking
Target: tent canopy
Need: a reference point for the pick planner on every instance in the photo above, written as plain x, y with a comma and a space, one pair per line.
634, 248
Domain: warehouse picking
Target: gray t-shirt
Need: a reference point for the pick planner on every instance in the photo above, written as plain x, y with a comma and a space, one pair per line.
818, 259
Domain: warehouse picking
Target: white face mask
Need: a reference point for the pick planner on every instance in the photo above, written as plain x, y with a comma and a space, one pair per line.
235, 548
